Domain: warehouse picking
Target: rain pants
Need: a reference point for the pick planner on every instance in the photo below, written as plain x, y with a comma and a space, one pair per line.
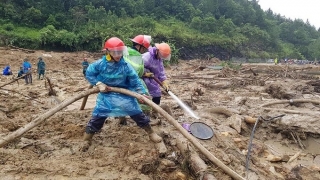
115, 74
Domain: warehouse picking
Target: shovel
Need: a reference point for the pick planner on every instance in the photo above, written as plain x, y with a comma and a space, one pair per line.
181, 104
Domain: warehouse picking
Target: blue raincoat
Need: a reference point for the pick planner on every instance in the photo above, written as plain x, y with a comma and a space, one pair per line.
154, 65
6, 71
41, 65
26, 67
115, 74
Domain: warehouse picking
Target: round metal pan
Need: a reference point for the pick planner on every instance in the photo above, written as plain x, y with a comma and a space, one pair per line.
201, 130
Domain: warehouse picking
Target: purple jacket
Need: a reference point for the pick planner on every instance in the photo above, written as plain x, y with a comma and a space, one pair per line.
154, 65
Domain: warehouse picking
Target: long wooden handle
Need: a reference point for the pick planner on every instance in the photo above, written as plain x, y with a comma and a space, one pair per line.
84, 101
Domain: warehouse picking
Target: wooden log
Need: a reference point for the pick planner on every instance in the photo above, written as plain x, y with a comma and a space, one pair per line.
254, 73
193, 140
197, 165
291, 101
51, 90
292, 111
294, 156
84, 101
14, 80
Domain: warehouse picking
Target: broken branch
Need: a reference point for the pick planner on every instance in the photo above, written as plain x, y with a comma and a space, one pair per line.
292, 101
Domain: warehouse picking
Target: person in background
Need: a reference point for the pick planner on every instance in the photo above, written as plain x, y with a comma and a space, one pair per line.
27, 70
7, 71
113, 71
85, 65
41, 67
153, 67
20, 72
140, 45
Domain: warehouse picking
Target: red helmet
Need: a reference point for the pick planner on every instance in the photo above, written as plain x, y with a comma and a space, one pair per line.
114, 44
142, 40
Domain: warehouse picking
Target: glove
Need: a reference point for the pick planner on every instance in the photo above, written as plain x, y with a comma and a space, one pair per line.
102, 87
148, 74
165, 85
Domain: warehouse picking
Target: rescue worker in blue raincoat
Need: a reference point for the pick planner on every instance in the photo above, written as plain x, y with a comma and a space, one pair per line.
111, 70
85, 65
27, 69
41, 68
7, 71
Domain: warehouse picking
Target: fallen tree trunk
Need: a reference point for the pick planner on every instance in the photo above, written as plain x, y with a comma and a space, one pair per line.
14, 80
197, 165
193, 140
291, 101
293, 111
52, 92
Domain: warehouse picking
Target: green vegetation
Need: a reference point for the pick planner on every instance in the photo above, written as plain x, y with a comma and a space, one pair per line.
194, 28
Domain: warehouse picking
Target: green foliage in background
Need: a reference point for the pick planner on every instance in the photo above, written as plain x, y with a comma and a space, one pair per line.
238, 28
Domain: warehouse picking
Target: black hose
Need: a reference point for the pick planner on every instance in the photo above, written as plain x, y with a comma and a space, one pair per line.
249, 146
251, 138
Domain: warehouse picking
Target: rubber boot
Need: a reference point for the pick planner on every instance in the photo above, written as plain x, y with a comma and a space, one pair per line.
152, 135
87, 138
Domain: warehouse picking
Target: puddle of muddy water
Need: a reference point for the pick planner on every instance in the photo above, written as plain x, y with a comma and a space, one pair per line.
312, 147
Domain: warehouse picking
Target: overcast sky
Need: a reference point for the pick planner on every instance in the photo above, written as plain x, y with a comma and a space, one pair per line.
295, 9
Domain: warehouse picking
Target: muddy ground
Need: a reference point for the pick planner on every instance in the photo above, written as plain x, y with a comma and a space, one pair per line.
227, 100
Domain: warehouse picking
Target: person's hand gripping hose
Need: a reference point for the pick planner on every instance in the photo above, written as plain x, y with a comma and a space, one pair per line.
103, 87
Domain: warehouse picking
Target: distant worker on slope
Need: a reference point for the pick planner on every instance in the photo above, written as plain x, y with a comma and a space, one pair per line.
27, 70
7, 71
20, 72
85, 65
112, 70
41, 67
275, 61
